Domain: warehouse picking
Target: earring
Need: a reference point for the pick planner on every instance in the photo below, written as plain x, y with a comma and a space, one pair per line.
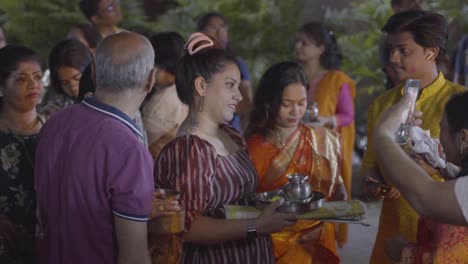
201, 104
430, 56
267, 109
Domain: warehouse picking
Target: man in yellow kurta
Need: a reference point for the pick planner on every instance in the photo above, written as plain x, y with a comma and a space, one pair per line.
414, 54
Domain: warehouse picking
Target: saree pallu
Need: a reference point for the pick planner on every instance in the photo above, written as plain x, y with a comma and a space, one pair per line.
326, 96
310, 151
438, 243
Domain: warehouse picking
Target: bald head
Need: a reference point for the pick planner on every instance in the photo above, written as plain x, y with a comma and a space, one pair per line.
123, 62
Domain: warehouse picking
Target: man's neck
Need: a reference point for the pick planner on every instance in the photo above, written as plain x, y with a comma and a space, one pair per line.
429, 77
125, 101
106, 30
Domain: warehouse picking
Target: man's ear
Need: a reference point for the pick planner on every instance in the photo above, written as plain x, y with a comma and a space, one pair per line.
432, 53
464, 138
200, 86
151, 80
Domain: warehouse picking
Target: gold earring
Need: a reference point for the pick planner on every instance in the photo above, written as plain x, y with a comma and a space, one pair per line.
430, 56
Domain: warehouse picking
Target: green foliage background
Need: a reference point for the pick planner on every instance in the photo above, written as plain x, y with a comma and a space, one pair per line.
261, 31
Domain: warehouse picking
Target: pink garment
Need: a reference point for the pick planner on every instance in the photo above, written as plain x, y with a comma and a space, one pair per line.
344, 112
344, 108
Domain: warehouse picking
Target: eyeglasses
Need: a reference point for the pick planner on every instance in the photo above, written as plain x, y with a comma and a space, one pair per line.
112, 6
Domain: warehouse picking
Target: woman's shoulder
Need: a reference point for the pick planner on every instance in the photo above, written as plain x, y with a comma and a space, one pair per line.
339, 74
187, 146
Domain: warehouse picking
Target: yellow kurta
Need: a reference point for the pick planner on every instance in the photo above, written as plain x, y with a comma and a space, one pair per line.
397, 216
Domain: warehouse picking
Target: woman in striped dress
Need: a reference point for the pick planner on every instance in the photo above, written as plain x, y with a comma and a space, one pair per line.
209, 164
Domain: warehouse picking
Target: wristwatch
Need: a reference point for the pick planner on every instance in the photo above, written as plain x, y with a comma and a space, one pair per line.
252, 228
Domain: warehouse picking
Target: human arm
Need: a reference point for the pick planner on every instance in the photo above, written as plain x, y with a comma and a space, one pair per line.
345, 107
409, 178
131, 241
130, 188
344, 114
210, 231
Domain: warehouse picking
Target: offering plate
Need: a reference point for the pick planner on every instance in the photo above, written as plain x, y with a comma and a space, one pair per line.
314, 201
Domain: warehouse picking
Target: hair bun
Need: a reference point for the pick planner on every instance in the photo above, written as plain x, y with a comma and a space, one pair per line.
197, 42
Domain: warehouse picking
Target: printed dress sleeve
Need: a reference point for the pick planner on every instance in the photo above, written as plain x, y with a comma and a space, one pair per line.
188, 165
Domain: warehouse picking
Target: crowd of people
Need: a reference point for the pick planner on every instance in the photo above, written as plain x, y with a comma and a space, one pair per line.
124, 114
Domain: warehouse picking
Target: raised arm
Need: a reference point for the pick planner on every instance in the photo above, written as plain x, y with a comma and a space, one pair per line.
435, 200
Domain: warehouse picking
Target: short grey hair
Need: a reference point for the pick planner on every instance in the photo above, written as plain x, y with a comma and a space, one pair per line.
119, 74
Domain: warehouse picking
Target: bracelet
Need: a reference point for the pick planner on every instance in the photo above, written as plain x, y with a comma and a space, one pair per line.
252, 228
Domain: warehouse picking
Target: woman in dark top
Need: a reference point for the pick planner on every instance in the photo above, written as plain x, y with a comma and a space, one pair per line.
21, 88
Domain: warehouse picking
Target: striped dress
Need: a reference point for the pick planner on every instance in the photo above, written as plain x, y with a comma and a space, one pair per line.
207, 181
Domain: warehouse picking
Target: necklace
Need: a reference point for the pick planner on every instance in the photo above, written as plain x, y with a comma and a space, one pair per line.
8, 126
313, 146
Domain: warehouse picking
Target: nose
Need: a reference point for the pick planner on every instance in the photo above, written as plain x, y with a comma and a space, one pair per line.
294, 110
394, 56
238, 95
297, 45
34, 84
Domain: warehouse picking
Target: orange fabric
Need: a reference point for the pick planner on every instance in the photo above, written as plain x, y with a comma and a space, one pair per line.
438, 243
311, 150
326, 95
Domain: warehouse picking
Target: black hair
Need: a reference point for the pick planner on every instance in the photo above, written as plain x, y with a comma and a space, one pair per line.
87, 83
90, 33
89, 7
204, 63
206, 18
168, 49
267, 99
416, 4
428, 29
10, 58
331, 57
457, 119
70, 53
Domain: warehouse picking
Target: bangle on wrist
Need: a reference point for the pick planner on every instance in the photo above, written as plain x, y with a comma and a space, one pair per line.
252, 228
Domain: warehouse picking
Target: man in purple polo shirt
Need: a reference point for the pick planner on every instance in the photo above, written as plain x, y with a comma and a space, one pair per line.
93, 177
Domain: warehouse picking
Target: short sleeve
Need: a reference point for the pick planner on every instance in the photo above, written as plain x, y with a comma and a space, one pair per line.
130, 183
244, 70
188, 165
461, 192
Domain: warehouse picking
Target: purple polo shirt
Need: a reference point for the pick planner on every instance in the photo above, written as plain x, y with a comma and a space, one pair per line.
90, 166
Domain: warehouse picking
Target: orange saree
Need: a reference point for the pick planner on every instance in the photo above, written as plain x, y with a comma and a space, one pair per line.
326, 95
314, 152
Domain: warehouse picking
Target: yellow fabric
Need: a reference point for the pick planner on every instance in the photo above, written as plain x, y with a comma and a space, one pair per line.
397, 216
316, 152
326, 95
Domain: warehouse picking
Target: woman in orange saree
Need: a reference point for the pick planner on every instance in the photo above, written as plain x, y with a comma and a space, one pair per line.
279, 145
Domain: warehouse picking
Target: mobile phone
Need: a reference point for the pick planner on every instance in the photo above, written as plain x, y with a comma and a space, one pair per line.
412, 88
